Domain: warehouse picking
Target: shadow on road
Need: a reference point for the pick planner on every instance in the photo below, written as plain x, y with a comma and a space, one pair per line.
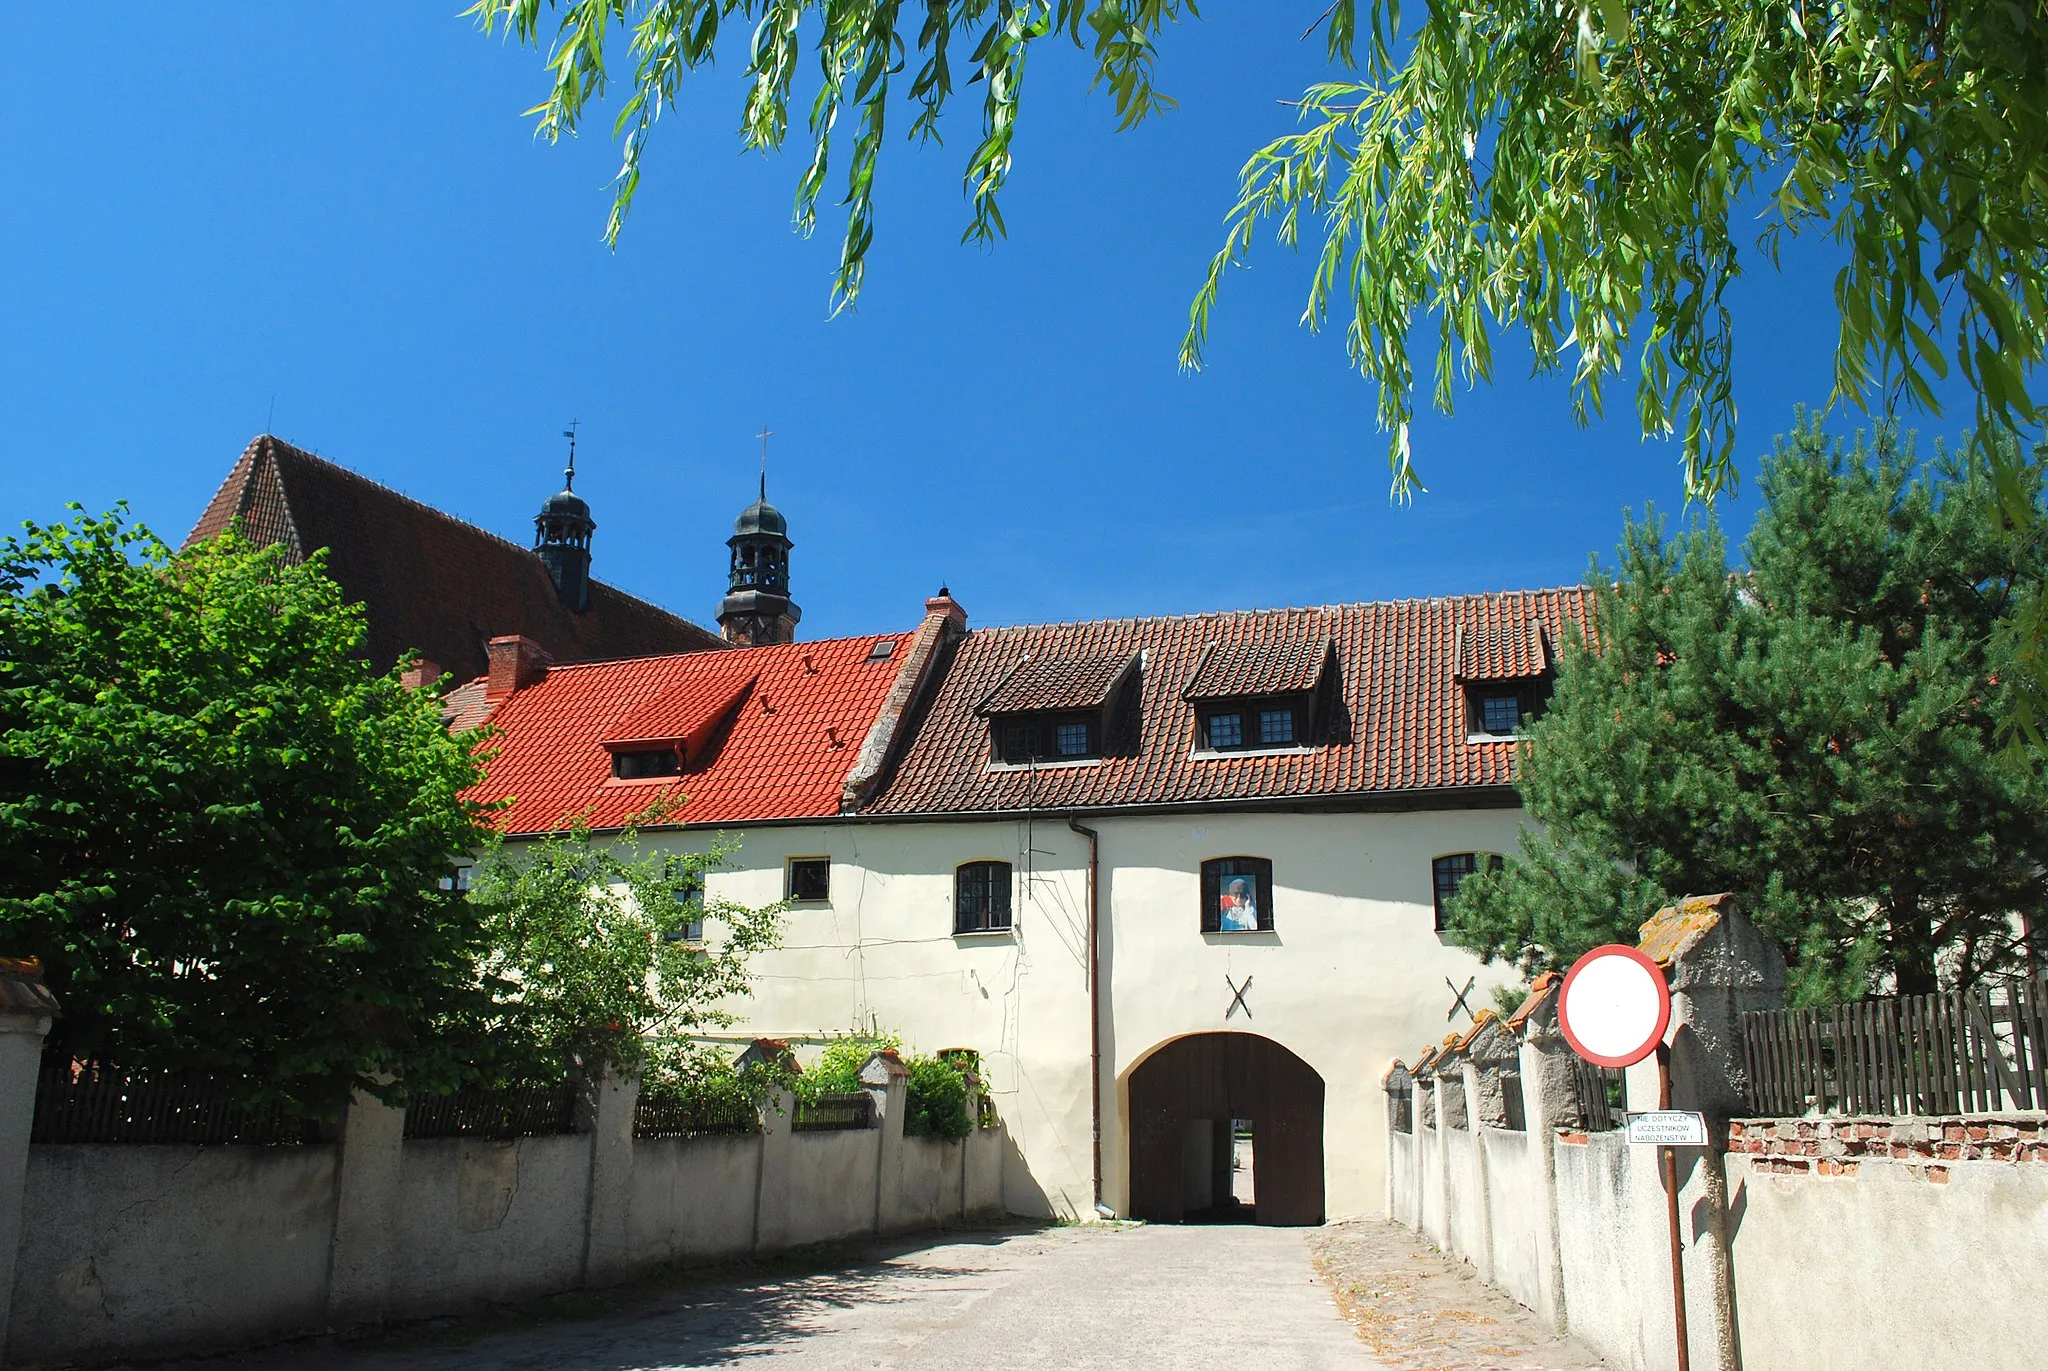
712, 1315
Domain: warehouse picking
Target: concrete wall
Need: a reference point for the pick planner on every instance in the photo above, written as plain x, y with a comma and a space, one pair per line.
1850, 1243
1352, 974
479, 1220
133, 1249
1514, 1200
1908, 1253
1617, 1266
692, 1199
831, 1186
136, 1248
1468, 1211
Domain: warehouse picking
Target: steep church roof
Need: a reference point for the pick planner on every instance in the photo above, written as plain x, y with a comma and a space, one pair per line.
429, 582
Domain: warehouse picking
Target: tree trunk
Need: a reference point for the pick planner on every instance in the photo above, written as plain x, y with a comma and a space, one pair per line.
1912, 944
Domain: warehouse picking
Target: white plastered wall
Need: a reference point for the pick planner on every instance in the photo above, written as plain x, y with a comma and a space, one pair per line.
1352, 976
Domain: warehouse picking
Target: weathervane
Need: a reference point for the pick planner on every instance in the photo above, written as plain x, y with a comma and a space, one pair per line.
570, 434
764, 435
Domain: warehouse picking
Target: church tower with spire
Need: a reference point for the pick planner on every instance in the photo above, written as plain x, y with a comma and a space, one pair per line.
757, 610
561, 538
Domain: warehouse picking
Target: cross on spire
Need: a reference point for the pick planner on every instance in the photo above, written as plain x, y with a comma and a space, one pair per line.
569, 475
764, 435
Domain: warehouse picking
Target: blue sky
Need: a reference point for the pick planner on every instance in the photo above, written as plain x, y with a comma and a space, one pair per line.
341, 212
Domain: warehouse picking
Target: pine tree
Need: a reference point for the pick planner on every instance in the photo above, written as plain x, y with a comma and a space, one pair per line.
1818, 733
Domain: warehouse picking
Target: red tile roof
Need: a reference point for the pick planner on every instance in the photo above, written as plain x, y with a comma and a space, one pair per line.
1265, 666
1501, 652
786, 754
1046, 682
1397, 714
429, 582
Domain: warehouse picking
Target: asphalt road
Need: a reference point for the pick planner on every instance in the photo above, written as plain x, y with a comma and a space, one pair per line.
1096, 1296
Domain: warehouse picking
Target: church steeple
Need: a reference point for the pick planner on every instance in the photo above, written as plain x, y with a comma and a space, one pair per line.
561, 537
757, 610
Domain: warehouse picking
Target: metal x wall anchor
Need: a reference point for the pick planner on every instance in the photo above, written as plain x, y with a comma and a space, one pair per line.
1237, 997
1459, 1003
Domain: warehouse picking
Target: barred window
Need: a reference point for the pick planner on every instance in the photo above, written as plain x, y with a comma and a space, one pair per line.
1226, 729
981, 897
1449, 872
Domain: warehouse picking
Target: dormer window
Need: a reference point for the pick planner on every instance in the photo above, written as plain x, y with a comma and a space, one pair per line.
645, 764
1499, 712
1248, 725
1046, 738
1259, 696
677, 729
1504, 674
1056, 709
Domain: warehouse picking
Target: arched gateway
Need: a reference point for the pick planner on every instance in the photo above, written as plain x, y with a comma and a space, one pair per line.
1188, 1091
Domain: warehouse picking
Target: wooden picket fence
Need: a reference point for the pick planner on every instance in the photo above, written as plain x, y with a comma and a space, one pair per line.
81, 1102
1981, 1050
693, 1118
515, 1112
1599, 1092
833, 1111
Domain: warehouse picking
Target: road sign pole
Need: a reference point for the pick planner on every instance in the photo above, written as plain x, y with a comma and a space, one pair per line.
1670, 1165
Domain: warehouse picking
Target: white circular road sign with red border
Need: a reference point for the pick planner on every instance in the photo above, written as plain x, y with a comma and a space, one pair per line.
1614, 1006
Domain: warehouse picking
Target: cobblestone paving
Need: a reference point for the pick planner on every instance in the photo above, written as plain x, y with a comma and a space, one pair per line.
1419, 1310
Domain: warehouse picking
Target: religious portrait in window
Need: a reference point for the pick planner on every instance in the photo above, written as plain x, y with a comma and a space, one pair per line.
1237, 895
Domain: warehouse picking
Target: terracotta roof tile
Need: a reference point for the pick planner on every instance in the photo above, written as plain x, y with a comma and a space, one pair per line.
1263, 666
786, 754
1394, 716
1501, 652
1059, 682
429, 582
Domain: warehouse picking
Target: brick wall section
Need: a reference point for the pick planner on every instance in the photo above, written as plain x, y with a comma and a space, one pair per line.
1837, 1147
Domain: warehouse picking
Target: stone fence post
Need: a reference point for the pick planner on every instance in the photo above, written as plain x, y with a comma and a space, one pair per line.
26, 1011
771, 1182
1547, 1105
608, 1105
366, 1199
884, 1076
1720, 966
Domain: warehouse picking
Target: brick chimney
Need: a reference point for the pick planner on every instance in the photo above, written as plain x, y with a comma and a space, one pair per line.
516, 663
421, 675
944, 622
944, 605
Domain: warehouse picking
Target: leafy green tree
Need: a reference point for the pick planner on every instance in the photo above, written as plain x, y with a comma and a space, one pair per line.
1575, 171
597, 943
222, 832
1817, 733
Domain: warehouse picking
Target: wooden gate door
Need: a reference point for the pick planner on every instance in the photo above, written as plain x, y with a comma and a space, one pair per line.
1225, 1076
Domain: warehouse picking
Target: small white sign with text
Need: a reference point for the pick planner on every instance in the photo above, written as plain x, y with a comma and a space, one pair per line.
1668, 1128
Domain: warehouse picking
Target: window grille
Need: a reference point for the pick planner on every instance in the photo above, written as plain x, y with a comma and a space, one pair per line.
1276, 726
981, 897
1226, 730
1073, 740
1500, 713
1449, 872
